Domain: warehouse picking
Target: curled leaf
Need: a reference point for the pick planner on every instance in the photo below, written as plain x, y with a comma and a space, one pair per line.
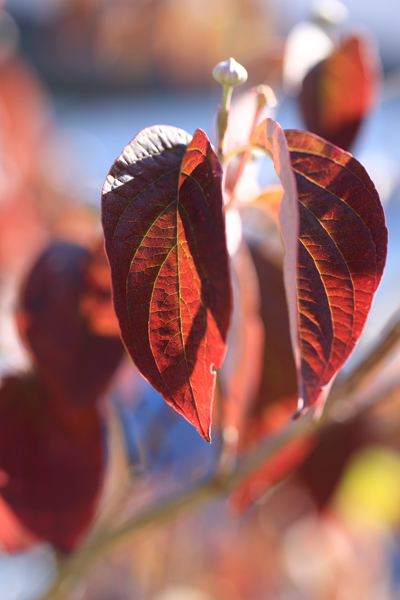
165, 239
333, 215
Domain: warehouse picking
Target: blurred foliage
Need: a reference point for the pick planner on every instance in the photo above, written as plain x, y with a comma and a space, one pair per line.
147, 43
330, 531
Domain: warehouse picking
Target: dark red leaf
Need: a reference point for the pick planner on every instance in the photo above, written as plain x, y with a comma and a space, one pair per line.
322, 470
342, 254
239, 378
73, 361
331, 207
279, 379
276, 398
165, 239
338, 92
52, 468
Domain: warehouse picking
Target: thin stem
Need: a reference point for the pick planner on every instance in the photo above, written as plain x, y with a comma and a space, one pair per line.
166, 509
389, 339
245, 156
219, 400
224, 481
223, 118
245, 151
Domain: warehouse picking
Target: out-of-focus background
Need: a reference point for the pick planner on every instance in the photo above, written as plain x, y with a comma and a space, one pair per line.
78, 79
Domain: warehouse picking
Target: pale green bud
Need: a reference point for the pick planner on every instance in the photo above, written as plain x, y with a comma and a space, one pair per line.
230, 73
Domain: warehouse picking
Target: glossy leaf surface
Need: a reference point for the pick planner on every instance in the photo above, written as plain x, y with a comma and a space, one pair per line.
338, 92
341, 252
52, 468
165, 239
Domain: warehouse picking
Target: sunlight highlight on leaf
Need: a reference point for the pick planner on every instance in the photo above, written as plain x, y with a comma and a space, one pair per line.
165, 239
341, 247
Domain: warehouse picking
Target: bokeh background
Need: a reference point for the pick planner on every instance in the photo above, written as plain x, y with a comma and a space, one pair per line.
78, 79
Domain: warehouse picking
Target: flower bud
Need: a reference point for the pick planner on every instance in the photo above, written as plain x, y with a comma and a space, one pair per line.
230, 73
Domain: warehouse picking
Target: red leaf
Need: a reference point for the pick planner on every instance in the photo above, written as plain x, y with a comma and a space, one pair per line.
339, 258
53, 469
274, 470
276, 399
240, 375
24, 112
13, 535
338, 92
165, 239
74, 363
322, 470
279, 379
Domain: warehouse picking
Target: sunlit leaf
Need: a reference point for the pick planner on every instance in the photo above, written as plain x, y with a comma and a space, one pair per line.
165, 239
335, 238
338, 92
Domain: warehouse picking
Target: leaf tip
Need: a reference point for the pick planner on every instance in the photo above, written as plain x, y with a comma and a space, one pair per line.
299, 411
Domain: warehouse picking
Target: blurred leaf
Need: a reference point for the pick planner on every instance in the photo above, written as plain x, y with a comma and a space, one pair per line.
24, 115
96, 301
369, 492
276, 469
242, 370
74, 363
279, 378
338, 92
276, 398
53, 467
165, 239
323, 469
269, 200
13, 535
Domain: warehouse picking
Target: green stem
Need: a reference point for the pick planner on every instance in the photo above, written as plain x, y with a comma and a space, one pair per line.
223, 117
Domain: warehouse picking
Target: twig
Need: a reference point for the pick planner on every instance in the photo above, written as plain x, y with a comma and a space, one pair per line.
166, 509
389, 339
223, 482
